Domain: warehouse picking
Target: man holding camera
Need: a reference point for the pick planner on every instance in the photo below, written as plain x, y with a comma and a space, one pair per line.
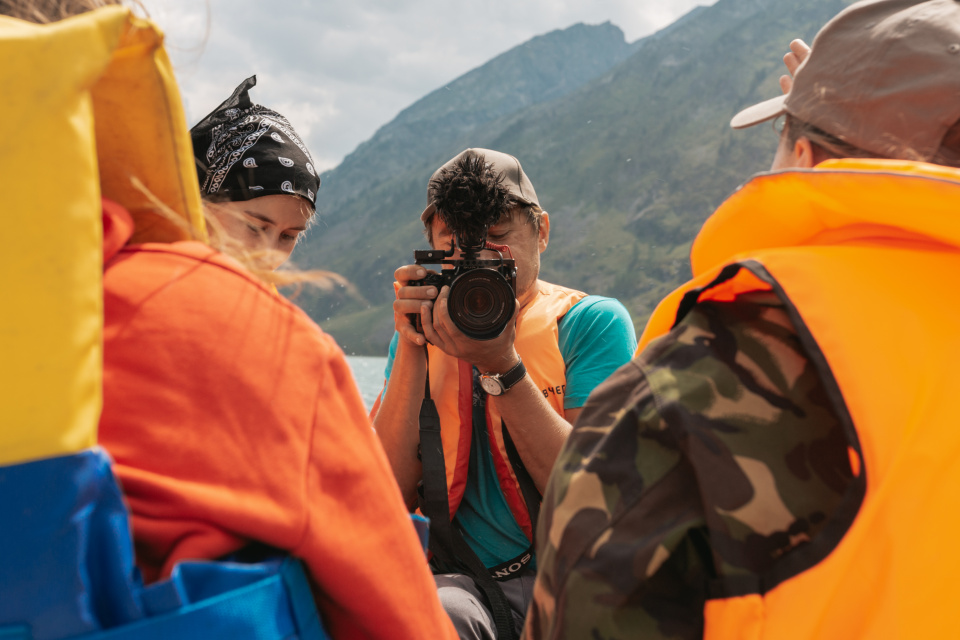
473, 441
781, 458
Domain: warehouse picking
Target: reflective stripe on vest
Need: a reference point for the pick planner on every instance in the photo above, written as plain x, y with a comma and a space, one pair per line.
865, 254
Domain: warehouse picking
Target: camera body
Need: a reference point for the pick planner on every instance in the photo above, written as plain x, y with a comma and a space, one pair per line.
482, 291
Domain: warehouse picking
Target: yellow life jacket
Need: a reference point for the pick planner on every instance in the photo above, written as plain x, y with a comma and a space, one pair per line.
866, 255
451, 387
95, 113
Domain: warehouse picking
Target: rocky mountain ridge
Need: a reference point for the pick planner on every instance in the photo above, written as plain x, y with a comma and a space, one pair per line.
627, 144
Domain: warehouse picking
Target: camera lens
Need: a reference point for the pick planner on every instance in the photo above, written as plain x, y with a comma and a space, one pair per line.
478, 302
482, 302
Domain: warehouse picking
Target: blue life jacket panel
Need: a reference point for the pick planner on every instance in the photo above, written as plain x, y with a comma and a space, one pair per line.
67, 570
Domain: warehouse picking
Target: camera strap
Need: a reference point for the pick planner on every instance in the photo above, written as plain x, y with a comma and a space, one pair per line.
446, 541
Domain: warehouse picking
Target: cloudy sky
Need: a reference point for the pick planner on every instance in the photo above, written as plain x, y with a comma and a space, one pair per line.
340, 69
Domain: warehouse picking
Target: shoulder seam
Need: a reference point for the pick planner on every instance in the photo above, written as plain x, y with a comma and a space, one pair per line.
213, 259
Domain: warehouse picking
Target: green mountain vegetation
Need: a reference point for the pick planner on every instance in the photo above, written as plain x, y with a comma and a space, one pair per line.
628, 146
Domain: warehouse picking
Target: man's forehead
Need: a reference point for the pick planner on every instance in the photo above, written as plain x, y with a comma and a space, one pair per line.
511, 215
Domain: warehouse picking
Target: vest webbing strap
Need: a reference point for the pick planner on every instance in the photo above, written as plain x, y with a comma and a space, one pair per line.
512, 567
529, 490
446, 542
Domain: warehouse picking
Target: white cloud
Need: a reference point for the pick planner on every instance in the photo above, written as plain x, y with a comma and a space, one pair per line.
341, 70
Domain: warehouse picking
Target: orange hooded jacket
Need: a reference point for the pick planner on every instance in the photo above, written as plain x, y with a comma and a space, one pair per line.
233, 418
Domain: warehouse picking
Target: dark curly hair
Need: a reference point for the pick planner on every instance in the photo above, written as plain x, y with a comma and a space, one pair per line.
470, 198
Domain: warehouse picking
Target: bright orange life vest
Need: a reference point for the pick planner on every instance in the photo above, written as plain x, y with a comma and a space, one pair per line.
451, 387
866, 255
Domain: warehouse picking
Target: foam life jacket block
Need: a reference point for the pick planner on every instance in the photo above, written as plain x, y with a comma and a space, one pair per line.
143, 141
50, 330
67, 570
67, 563
95, 104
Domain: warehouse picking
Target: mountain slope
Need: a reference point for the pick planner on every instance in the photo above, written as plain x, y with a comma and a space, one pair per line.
628, 163
543, 69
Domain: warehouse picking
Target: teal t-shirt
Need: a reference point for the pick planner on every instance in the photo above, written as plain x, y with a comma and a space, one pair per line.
596, 337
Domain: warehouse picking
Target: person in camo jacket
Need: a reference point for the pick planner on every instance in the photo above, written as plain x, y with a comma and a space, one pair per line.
780, 459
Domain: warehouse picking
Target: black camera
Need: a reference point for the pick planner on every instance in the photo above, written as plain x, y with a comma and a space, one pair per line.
468, 196
482, 292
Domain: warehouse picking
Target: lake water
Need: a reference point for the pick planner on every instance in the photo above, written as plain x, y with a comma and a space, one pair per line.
368, 370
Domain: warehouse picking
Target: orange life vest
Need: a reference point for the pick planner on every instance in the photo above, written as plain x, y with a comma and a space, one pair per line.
866, 254
451, 387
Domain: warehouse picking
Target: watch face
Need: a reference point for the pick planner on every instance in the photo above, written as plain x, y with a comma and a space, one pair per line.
491, 385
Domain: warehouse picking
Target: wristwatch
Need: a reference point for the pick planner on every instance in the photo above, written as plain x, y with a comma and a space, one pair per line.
497, 384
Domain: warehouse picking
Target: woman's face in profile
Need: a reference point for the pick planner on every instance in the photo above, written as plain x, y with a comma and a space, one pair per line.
270, 224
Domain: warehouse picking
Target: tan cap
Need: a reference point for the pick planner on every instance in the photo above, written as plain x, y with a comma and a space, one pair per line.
883, 75
515, 180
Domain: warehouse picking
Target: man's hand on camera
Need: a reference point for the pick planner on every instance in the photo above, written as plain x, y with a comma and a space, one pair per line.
489, 356
411, 300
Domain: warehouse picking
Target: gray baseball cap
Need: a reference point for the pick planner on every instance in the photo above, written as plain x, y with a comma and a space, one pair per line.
515, 180
883, 75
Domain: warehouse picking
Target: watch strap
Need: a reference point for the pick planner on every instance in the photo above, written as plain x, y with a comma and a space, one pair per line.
513, 376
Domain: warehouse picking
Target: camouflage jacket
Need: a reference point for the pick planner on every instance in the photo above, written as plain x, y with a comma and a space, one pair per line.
709, 456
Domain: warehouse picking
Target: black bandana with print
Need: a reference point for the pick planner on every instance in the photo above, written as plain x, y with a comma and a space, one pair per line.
244, 151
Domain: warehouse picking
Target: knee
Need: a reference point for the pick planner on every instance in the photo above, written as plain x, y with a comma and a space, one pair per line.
470, 617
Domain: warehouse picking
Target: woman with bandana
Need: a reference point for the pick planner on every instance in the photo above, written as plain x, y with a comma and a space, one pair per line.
256, 176
232, 420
